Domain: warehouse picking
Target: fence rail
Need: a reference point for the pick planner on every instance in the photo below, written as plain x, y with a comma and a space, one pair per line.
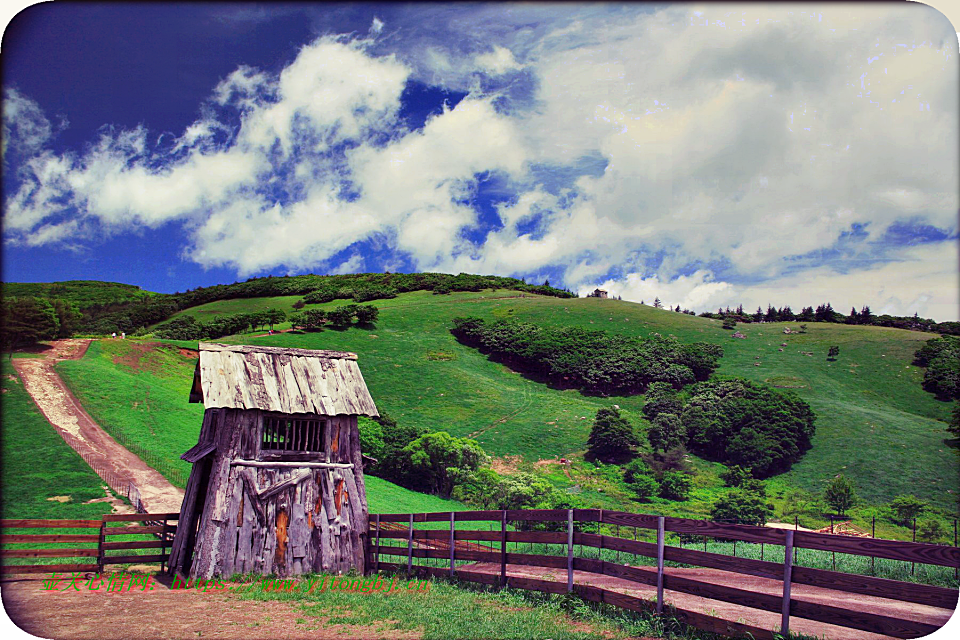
421, 544
97, 544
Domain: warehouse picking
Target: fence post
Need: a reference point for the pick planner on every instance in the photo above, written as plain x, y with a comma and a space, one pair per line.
913, 565
163, 544
659, 565
376, 554
100, 552
410, 546
569, 550
503, 549
873, 559
453, 515
956, 570
796, 527
787, 574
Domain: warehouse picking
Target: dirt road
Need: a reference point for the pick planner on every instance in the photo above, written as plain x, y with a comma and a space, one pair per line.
78, 429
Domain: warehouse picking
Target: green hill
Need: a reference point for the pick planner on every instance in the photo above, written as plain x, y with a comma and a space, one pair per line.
82, 293
875, 423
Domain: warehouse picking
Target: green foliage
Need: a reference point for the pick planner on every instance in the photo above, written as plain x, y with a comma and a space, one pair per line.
311, 319
666, 433
644, 488
954, 425
941, 357
612, 436
68, 316
595, 361
661, 397
735, 476
741, 506
634, 469
675, 486
27, 320
931, 530
840, 494
833, 352
367, 314
82, 294
729, 323
435, 460
736, 421
371, 437
907, 507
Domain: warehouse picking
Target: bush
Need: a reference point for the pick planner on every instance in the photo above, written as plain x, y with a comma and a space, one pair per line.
675, 486
930, 530
741, 506
612, 437
666, 433
905, 508
644, 488
736, 421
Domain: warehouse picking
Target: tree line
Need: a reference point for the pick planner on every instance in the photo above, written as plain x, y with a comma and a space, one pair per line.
595, 361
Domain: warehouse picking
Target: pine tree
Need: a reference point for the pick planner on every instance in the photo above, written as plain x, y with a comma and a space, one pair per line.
657, 304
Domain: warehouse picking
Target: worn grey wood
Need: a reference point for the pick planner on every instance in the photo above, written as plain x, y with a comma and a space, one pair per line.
295, 381
453, 546
660, 565
569, 550
787, 577
295, 465
249, 348
410, 546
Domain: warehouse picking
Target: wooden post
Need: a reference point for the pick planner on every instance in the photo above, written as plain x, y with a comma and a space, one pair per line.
163, 544
377, 553
503, 549
453, 516
410, 546
100, 552
569, 550
761, 552
833, 554
913, 565
659, 565
618, 536
787, 575
796, 526
956, 570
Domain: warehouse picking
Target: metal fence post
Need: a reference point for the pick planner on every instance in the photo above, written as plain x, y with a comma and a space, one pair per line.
787, 574
569, 550
453, 546
659, 565
410, 546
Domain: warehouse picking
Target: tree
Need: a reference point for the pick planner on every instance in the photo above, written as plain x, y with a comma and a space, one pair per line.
675, 486
833, 352
275, 316
26, 320
612, 437
644, 488
865, 316
840, 494
657, 304
741, 506
341, 316
735, 476
666, 433
906, 507
68, 316
930, 530
954, 426
729, 323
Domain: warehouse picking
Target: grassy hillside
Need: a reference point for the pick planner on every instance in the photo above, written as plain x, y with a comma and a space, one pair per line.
875, 423
42, 476
83, 293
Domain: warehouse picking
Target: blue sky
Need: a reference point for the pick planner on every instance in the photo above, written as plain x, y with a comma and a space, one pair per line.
711, 156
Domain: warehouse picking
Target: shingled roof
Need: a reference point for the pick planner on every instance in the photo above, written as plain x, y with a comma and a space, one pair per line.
279, 379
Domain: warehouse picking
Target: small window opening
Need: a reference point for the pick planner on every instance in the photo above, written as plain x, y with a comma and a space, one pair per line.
282, 435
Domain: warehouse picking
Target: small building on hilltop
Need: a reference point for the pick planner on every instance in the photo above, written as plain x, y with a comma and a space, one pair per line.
277, 481
597, 293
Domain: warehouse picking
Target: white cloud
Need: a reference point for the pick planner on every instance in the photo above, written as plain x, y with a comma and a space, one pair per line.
498, 61
25, 127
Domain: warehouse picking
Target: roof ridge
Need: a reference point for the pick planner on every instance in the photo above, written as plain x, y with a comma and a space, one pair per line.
290, 351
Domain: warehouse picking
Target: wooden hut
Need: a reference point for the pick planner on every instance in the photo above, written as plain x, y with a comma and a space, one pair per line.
277, 480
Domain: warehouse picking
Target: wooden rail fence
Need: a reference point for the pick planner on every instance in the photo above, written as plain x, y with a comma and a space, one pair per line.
424, 544
99, 547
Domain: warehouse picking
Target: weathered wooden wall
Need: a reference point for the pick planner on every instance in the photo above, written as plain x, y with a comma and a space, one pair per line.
304, 519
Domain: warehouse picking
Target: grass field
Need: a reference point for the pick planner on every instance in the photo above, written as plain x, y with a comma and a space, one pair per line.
875, 423
42, 476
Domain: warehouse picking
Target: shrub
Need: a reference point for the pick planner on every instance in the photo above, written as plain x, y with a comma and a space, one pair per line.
905, 508
612, 437
644, 488
666, 433
930, 530
741, 506
675, 486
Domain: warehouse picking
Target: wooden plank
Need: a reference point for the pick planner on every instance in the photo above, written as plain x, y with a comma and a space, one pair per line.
880, 587
854, 619
44, 538
787, 578
134, 559
49, 553
642, 520
744, 532
890, 549
539, 515
660, 565
251, 348
49, 568
614, 543
723, 627
294, 465
197, 451
503, 549
641, 575
733, 595
125, 531
549, 537
587, 515
570, 551
746, 566
535, 584
140, 517
50, 524
136, 544
534, 560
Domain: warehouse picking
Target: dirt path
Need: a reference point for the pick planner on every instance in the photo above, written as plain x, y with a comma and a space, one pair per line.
78, 429
166, 613
755, 617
